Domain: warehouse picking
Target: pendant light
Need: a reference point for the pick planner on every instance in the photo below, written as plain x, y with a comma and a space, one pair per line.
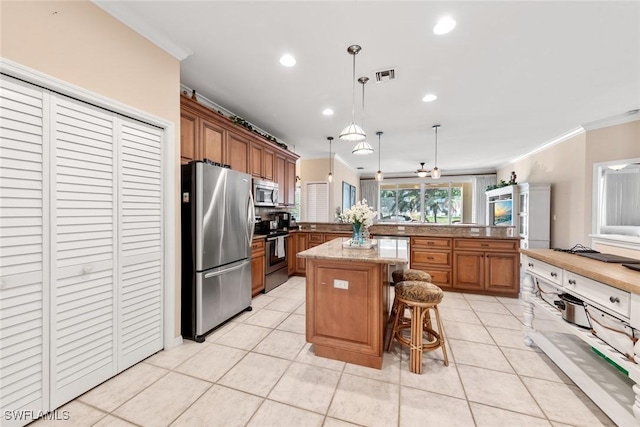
363, 147
353, 132
435, 173
379, 176
330, 176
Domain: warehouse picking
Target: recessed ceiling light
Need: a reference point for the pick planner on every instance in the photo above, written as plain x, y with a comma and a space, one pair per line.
429, 97
327, 112
444, 25
288, 60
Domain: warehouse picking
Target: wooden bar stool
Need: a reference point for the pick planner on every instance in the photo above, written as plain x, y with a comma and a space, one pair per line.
420, 298
408, 274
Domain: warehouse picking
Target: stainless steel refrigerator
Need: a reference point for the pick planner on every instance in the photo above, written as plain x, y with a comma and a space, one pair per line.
217, 229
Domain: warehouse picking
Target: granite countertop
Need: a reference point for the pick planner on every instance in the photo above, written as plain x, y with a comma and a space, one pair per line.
259, 236
388, 251
608, 273
416, 229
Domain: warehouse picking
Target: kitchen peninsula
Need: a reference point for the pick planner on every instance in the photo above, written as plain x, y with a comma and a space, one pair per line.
348, 296
461, 258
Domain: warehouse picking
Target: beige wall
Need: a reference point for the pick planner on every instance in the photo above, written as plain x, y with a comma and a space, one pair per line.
568, 167
316, 170
77, 42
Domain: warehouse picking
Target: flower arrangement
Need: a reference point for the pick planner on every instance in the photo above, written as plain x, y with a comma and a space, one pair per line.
360, 213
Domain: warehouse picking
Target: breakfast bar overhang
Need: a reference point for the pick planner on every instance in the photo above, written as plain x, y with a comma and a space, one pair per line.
347, 298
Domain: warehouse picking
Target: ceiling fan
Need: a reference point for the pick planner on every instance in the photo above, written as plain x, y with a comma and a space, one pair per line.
422, 172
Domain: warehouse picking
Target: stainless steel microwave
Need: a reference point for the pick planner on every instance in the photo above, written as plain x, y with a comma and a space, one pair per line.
265, 193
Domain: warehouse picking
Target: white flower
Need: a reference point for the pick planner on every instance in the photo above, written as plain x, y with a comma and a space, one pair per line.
360, 213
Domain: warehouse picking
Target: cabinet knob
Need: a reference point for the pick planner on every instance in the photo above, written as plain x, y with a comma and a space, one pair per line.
615, 300
530, 264
572, 282
554, 274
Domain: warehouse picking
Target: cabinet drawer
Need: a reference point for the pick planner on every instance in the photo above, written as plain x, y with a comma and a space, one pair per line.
431, 242
257, 245
486, 245
605, 296
315, 238
442, 259
440, 277
544, 271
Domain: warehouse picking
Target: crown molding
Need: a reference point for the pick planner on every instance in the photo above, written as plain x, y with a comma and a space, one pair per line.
119, 11
629, 116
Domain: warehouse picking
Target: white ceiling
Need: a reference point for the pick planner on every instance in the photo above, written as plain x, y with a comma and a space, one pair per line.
509, 78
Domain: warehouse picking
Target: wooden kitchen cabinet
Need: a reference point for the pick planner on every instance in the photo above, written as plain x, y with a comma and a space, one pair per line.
212, 139
290, 183
188, 136
488, 266
301, 245
257, 266
207, 134
257, 165
314, 239
238, 152
291, 251
433, 255
280, 177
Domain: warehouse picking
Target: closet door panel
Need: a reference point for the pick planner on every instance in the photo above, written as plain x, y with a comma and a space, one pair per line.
23, 346
84, 241
140, 292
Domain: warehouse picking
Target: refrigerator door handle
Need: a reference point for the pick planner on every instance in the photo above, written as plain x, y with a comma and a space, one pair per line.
251, 212
222, 270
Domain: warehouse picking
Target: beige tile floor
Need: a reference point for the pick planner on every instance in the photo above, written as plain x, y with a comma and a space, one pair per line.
257, 370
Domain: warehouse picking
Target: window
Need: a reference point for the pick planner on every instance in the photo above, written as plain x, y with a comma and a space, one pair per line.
429, 202
443, 203
618, 198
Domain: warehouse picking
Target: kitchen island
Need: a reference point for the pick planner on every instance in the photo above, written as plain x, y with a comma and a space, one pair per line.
348, 296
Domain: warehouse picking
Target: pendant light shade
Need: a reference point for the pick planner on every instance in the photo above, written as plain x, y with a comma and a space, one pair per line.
436, 173
379, 176
353, 132
330, 176
363, 147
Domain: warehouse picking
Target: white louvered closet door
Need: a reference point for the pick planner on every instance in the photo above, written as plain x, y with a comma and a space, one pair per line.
83, 247
23, 236
140, 221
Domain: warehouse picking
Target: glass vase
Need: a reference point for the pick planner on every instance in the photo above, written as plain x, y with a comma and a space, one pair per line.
357, 238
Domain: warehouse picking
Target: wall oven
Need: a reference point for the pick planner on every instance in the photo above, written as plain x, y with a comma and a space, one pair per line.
265, 193
277, 270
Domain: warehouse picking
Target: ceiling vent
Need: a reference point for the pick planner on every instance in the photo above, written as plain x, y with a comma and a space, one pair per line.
385, 75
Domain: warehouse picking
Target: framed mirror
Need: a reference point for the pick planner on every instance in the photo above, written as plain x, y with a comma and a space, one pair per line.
616, 200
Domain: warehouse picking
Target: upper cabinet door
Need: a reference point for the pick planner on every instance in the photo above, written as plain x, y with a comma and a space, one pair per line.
256, 160
280, 177
188, 136
212, 139
238, 152
290, 183
268, 164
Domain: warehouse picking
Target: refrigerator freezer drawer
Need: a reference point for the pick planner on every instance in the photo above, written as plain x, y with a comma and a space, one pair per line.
221, 293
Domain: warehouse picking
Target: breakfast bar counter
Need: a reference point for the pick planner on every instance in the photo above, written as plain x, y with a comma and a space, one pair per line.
347, 298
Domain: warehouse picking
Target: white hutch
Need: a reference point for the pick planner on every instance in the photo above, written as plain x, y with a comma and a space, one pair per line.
527, 208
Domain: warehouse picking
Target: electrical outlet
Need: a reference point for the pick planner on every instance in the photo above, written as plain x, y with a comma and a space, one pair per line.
340, 284
401, 228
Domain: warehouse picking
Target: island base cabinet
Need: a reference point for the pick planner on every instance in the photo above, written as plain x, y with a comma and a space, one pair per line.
347, 310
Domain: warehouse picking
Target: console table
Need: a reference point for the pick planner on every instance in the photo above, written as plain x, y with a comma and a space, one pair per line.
611, 288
